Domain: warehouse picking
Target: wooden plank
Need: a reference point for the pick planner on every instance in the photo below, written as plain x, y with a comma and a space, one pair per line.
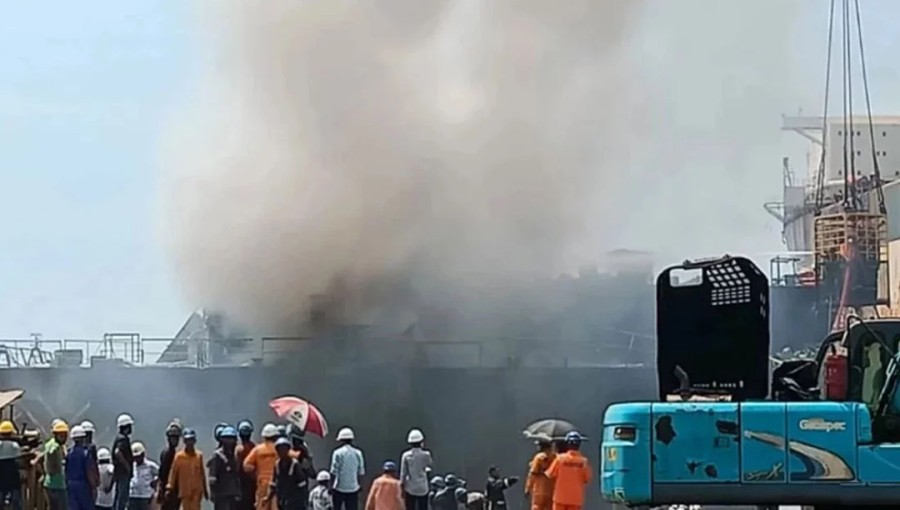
9, 396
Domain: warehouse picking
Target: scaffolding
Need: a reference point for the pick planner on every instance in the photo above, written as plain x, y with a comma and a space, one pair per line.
851, 260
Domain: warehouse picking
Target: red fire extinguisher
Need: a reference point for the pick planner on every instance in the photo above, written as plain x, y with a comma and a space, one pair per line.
835, 374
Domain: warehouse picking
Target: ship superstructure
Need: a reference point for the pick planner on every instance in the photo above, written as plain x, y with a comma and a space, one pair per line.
797, 209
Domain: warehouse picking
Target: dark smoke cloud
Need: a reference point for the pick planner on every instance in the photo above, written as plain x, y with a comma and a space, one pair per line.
378, 153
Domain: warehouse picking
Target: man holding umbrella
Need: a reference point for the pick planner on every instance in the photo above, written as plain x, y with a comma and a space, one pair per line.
548, 435
300, 452
538, 486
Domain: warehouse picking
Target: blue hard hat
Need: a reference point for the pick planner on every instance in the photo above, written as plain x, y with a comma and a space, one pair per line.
218, 429
574, 437
227, 431
283, 441
390, 465
454, 481
245, 426
189, 434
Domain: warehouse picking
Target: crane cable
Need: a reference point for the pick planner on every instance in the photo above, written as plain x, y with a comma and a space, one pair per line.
862, 59
820, 177
851, 199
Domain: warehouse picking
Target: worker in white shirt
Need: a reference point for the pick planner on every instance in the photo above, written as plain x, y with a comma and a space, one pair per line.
144, 479
415, 467
320, 496
347, 466
106, 490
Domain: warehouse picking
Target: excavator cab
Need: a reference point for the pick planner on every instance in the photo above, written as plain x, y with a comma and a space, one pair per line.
857, 364
873, 359
713, 331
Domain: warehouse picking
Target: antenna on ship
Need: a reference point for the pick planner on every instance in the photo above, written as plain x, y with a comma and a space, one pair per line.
851, 231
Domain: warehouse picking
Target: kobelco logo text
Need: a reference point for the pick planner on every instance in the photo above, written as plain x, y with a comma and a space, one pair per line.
820, 424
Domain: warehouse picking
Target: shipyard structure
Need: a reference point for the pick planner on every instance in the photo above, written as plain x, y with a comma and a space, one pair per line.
840, 217
472, 369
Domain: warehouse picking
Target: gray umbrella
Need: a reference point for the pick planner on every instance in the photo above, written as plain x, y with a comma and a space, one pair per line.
548, 429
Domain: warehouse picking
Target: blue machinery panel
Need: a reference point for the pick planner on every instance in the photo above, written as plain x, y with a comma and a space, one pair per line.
822, 442
696, 442
749, 453
625, 463
762, 424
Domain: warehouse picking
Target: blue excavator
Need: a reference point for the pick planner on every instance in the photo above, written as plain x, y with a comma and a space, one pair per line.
726, 430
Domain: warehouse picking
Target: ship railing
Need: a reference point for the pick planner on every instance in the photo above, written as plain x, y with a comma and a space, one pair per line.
602, 347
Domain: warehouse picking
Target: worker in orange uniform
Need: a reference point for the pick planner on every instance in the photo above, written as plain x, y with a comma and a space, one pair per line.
261, 462
571, 472
538, 486
386, 492
187, 479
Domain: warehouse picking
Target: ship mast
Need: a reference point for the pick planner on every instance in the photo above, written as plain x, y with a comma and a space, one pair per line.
850, 236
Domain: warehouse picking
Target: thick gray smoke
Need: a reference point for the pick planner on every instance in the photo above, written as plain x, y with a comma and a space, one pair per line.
375, 152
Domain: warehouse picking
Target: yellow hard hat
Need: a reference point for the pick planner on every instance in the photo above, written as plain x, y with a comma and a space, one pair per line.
7, 427
60, 427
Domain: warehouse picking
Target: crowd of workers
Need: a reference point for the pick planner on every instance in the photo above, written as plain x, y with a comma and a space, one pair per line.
275, 474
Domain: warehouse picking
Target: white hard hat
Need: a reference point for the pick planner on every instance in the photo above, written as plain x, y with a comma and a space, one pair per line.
345, 434
88, 426
415, 436
270, 431
124, 420
323, 476
103, 454
78, 432
137, 448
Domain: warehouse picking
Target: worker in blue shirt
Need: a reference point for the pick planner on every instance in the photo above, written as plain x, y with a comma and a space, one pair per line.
80, 479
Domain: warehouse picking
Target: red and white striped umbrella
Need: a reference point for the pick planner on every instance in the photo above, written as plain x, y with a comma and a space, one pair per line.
300, 413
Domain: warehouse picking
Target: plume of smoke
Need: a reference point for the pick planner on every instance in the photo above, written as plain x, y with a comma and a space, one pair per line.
373, 152
368, 151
